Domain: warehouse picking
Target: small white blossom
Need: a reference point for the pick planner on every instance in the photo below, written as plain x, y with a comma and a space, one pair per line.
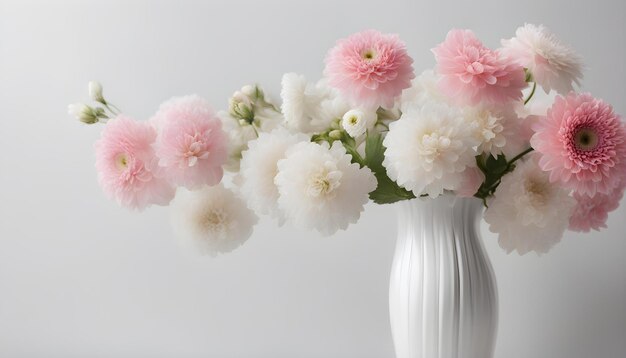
356, 122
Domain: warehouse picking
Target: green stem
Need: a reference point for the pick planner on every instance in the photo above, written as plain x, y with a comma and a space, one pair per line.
532, 93
519, 156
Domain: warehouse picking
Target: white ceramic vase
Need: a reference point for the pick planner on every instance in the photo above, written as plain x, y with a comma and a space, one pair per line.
442, 294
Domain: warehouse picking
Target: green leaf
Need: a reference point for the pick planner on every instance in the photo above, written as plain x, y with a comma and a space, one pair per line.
387, 191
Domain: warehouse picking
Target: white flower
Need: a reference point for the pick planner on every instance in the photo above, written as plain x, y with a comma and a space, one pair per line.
356, 122
95, 91
527, 211
239, 134
213, 219
259, 167
424, 89
499, 131
307, 107
428, 148
320, 188
82, 112
553, 64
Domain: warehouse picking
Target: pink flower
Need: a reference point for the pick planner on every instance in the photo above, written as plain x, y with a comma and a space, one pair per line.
127, 165
592, 212
582, 143
369, 68
471, 73
472, 179
191, 146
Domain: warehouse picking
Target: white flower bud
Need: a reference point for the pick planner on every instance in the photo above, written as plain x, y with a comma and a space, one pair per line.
335, 134
82, 112
248, 90
95, 91
356, 122
240, 107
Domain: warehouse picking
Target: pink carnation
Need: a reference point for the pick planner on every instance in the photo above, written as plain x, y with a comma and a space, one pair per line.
191, 146
471, 73
369, 68
592, 212
582, 144
127, 165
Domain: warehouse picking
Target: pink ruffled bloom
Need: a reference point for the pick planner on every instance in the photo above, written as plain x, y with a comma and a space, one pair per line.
369, 68
472, 73
191, 146
593, 212
582, 143
127, 165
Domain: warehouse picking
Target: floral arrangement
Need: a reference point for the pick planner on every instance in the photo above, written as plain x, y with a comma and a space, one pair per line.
371, 130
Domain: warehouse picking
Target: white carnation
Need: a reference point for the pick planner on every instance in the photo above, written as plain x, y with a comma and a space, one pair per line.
527, 211
259, 167
424, 89
212, 219
428, 148
553, 64
320, 188
356, 122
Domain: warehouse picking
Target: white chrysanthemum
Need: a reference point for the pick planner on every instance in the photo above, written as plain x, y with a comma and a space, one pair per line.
212, 219
259, 167
428, 148
553, 64
301, 103
238, 137
528, 212
356, 122
424, 89
497, 130
320, 188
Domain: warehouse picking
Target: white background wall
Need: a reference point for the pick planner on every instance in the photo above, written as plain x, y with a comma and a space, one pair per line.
80, 277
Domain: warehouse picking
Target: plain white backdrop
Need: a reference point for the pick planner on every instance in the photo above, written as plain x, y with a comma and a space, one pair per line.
81, 277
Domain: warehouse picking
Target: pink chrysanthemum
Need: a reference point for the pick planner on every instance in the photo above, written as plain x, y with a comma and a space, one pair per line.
592, 212
369, 68
582, 144
472, 73
127, 165
191, 146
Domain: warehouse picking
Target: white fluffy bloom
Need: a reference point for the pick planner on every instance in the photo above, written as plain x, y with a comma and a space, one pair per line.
307, 107
301, 102
259, 167
527, 211
428, 148
320, 188
213, 219
424, 89
356, 122
498, 131
553, 64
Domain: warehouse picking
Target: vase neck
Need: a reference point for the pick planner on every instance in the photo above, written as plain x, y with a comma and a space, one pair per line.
446, 210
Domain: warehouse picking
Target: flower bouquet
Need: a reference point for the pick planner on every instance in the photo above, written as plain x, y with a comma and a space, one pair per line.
476, 126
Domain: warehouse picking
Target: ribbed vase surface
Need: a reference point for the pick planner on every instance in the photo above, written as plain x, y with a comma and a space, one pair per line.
442, 294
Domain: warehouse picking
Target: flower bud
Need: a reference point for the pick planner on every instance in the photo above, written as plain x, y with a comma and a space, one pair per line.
240, 107
248, 90
83, 113
335, 134
95, 91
